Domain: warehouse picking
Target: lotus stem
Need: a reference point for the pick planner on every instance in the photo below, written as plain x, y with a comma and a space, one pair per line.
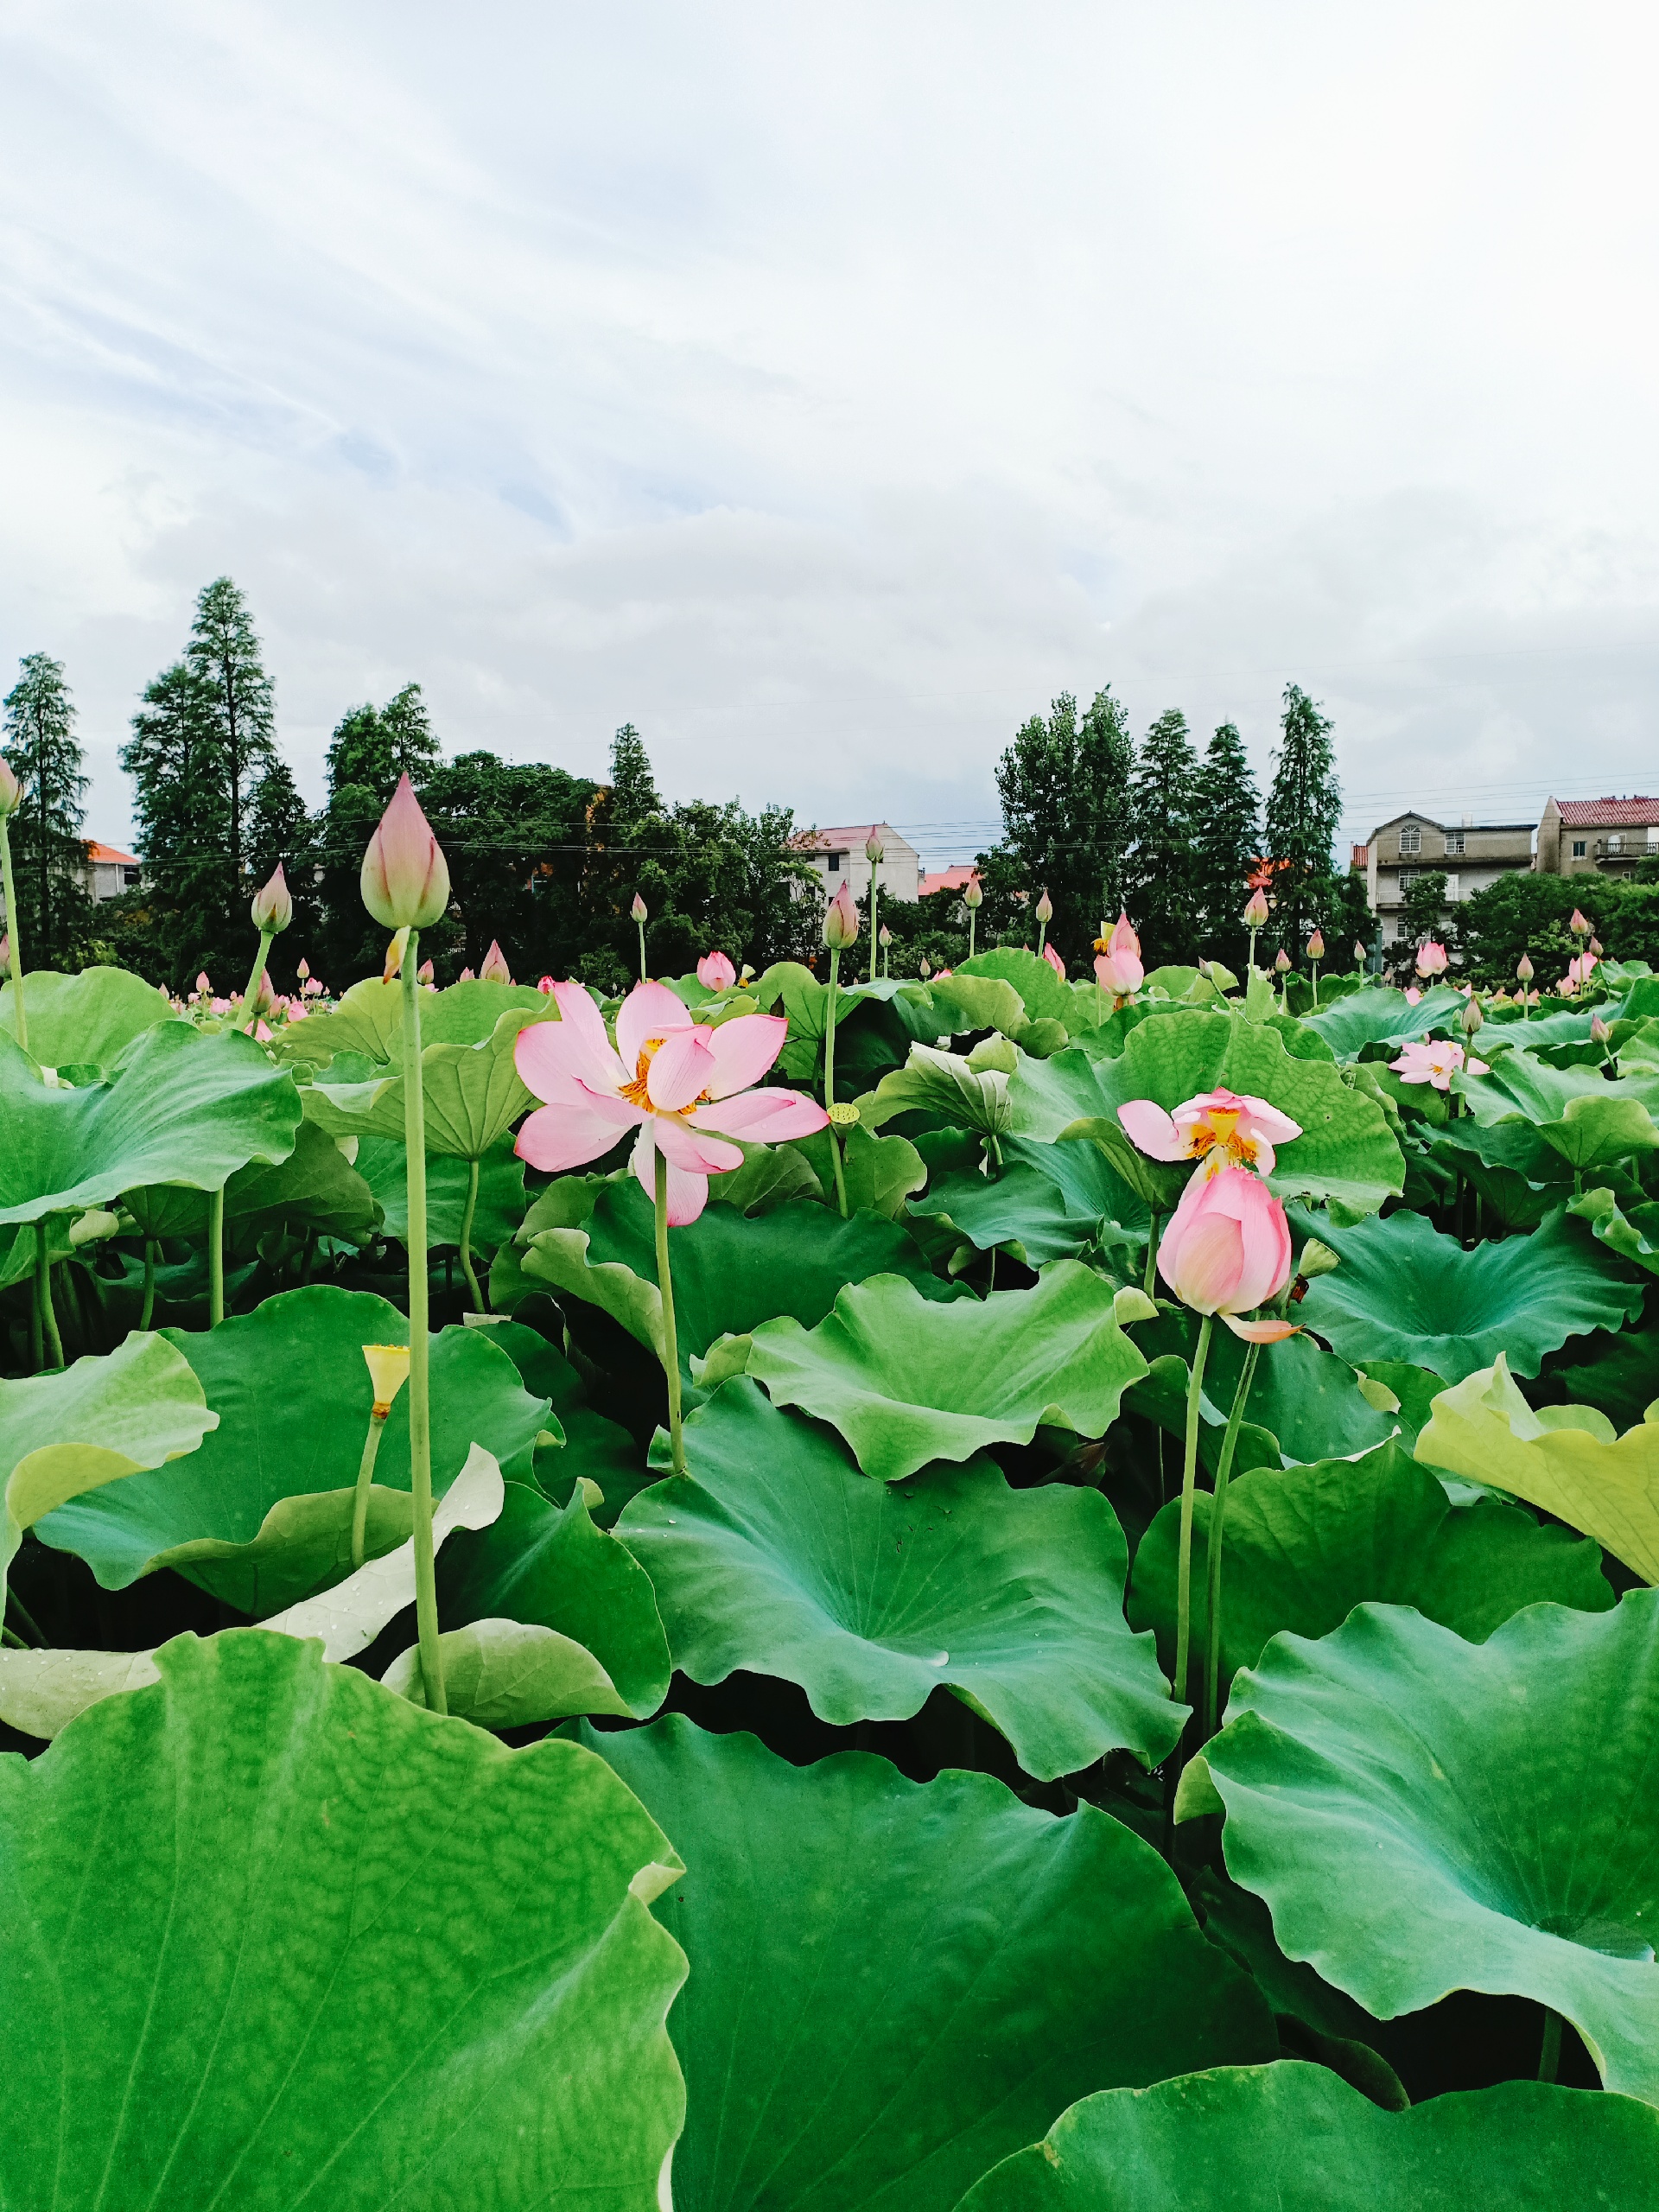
216, 1258
1316, 987
829, 1076
1151, 1253
643, 978
479, 1304
1252, 968
14, 929
32, 1633
378, 1420
875, 925
36, 1325
256, 977
1189, 1487
420, 1427
1549, 2053
972, 918
670, 1338
1217, 1526
148, 1315
1042, 938
46, 1312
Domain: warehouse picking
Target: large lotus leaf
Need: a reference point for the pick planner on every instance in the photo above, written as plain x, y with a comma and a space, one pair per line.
789, 988
1085, 1178
1519, 1175
878, 1174
178, 1107
261, 1515
596, 1450
1020, 1209
730, 1273
1294, 2138
1304, 1547
1405, 1292
471, 1094
1045, 995
1311, 1400
1615, 1374
1632, 1233
894, 1983
369, 1019
1594, 1132
273, 1937
1423, 1814
314, 1187
1565, 1459
1382, 1017
20, 1246
1521, 1082
503, 1673
66, 1434
551, 1568
770, 1174
1161, 1397
1345, 1150
972, 1001
775, 1555
941, 1083
382, 1162
907, 1380
86, 1019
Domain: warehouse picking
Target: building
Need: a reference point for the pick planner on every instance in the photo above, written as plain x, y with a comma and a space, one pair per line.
947, 879
1469, 853
838, 854
109, 872
1587, 836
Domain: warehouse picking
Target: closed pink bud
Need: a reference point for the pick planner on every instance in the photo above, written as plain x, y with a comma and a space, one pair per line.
973, 897
1316, 946
495, 968
841, 920
1359, 954
1471, 1018
1227, 1247
1595, 946
1524, 968
1256, 910
11, 791
874, 850
204, 988
273, 908
886, 937
426, 973
1045, 910
1579, 926
639, 911
716, 972
467, 976
1054, 961
1599, 1029
405, 877
1431, 959
1281, 962
303, 969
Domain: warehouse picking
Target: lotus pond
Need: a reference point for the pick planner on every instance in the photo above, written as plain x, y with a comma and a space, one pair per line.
1077, 1631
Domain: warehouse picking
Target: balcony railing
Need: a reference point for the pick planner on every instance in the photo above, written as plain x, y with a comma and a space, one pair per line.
1626, 845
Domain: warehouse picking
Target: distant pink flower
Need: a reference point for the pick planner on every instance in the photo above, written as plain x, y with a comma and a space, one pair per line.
204, 988
1435, 1062
1256, 910
467, 976
1431, 959
1117, 964
1413, 996
545, 986
312, 987
1227, 1250
1219, 1128
261, 1033
1579, 926
686, 1087
1054, 961
495, 968
716, 972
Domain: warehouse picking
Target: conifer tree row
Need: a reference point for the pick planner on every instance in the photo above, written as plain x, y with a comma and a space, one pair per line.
48, 851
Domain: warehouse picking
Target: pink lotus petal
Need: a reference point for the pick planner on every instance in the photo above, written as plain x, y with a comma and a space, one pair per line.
762, 1116
680, 1070
620, 1112
1262, 1332
649, 1010
687, 1191
558, 1138
744, 1050
1054, 961
1204, 1269
695, 1151
1153, 1131
573, 1048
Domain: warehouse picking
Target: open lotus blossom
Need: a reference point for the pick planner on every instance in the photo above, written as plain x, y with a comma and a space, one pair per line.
1219, 1127
1227, 1250
1578, 971
1117, 964
686, 1087
1054, 961
1435, 1062
1431, 959
716, 972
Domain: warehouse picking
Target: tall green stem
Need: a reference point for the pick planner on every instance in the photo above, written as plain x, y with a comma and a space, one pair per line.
972, 918
830, 1076
876, 926
1252, 952
1549, 2053
1211, 1713
1189, 1487
641, 928
149, 1312
670, 1336
14, 930
216, 1258
479, 1305
364, 1478
256, 977
53, 1344
1151, 1253
420, 1421
1042, 938
1316, 987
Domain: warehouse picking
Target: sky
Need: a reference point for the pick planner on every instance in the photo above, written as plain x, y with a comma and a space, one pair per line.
825, 389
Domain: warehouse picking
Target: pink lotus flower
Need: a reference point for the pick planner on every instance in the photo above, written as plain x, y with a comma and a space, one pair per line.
1054, 961
1435, 1063
312, 987
1413, 996
1044, 909
841, 920
545, 986
273, 907
426, 974
1117, 964
1431, 959
1281, 962
1256, 910
1219, 1128
204, 988
1579, 926
716, 972
11, 791
1227, 1249
685, 1087
466, 976
405, 878
495, 968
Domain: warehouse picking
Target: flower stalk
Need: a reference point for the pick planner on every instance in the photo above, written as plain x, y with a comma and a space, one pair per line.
480, 1305
1189, 1487
420, 1426
639, 911
216, 1257
148, 1310
829, 1080
875, 853
670, 1336
973, 898
388, 1366
1045, 916
1211, 1717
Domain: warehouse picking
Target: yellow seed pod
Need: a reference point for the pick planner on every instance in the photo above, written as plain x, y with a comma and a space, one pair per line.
388, 1371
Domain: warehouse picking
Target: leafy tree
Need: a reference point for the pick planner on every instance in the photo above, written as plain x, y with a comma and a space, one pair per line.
1227, 837
1065, 788
224, 654
48, 847
370, 747
1303, 813
280, 830
512, 836
1424, 904
1524, 912
179, 921
1163, 799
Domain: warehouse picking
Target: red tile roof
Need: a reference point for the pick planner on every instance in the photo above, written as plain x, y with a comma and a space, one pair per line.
946, 878
1609, 813
845, 839
108, 856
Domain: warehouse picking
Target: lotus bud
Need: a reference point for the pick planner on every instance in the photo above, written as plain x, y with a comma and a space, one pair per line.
11, 791
1044, 909
1316, 1259
5, 950
973, 897
1579, 926
1256, 910
1524, 968
716, 972
1054, 961
395, 956
927, 967
1359, 954
1431, 959
1595, 947
1316, 946
405, 877
841, 920
467, 976
1599, 1029
426, 973
874, 849
1471, 1018
303, 971
495, 968
273, 907
545, 985
204, 988
388, 1372
1281, 962
886, 937
639, 911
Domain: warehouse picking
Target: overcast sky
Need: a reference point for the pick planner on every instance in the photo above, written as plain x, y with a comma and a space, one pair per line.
823, 389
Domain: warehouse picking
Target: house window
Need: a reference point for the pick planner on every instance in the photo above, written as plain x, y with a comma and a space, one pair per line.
1411, 839
1454, 841
1408, 877
129, 877
1577, 848
834, 862
1451, 890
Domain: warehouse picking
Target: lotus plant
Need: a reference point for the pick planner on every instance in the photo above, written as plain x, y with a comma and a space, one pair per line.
1431, 960
1435, 1062
1117, 962
1222, 1128
687, 1088
495, 968
388, 1366
12, 798
973, 898
271, 911
840, 935
716, 972
875, 852
405, 886
1254, 919
1316, 953
641, 914
1054, 961
887, 949
1524, 973
1045, 916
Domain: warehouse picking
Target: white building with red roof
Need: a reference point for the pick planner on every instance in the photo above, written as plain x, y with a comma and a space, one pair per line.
840, 857
1587, 837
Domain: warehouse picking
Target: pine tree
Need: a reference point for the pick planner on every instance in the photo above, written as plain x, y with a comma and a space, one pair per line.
1064, 785
412, 746
280, 830
1227, 837
1163, 801
370, 747
1304, 814
1105, 791
48, 850
224, 653
182, 802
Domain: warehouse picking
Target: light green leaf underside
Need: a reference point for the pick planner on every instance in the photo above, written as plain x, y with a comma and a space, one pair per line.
85, 1020
501, 1674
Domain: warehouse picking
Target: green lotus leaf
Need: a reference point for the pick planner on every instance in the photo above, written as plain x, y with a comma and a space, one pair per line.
1345, 1150
795, 991
970, 1001
1519, 1176
594, 1449
1382, 1017
1020, 1209
1565, 1459
502, 1673
1423, 1814
177, 1107
1085, 1179
1594, 1132
879, 1173
1293, 2138
274, 1935
941, 1083
550, 1568
730, 1272
1405, 1292
1161, 1397
774, 1555
1312, 1402
88, 1018
1520, 1083
906, 1379
315, 1187
369, 1019
471, 1094
1044, 996
261, 1515
893, 1983
1633, 1235
770, 1174
383, 1163
1306, 1545
66, 1434
1615, 1374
